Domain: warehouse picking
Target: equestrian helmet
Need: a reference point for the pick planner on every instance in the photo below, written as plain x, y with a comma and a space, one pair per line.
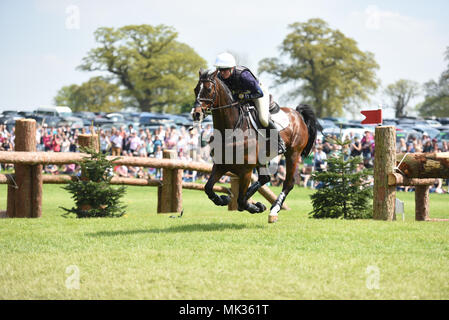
225, 60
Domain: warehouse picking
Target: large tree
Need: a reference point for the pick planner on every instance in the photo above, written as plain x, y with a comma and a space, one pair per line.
400, 93
154, 69
97, 94
326, 67
436, 102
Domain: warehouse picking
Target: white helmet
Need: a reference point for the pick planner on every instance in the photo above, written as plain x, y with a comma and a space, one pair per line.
225, 60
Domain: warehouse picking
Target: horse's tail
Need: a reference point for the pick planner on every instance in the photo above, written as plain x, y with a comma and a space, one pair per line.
313, 126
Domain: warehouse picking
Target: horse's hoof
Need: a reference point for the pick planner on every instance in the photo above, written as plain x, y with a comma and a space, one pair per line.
272, 219
225, 200
252, 208
261, 206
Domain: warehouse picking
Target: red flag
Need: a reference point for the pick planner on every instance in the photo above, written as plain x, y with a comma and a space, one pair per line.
372, 116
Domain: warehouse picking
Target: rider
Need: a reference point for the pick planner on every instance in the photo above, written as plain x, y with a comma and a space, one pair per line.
245, 87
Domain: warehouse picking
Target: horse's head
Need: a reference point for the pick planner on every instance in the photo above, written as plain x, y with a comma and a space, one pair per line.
205, 93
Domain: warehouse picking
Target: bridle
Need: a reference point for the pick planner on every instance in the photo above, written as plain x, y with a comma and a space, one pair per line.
212, 101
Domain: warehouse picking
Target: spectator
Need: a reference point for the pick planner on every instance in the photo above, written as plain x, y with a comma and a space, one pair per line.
356, 147
105, 144
320, 159
117, 142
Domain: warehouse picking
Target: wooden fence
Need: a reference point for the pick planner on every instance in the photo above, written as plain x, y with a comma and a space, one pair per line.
391, 170
25, 185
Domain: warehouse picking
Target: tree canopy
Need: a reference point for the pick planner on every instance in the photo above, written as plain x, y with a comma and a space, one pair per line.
400, 93
97, 94
152, 68
436, 102
328, 69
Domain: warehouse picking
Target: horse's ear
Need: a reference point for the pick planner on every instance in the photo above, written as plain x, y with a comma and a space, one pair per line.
201, 71
214, 74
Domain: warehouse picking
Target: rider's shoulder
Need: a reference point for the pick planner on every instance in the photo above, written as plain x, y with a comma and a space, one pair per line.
245, 73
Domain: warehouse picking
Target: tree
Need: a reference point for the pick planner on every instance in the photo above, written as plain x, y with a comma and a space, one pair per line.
153, 68
332, 72
400, 93
436, 102
93, 193
97, 94
344, 191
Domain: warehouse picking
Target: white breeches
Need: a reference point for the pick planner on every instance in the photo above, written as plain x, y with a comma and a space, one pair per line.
263, 106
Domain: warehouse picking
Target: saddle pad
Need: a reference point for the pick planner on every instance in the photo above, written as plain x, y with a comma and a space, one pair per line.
280, 120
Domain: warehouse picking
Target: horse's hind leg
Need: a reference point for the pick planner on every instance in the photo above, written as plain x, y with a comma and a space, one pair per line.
291, 163
215, 175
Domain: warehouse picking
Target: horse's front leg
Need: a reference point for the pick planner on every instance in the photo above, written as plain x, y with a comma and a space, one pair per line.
263, 179
243, 203
215, 175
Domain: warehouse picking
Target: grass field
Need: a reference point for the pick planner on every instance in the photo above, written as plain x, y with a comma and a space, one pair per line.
211, 253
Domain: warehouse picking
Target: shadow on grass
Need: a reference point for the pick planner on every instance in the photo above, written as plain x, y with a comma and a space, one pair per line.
176, 229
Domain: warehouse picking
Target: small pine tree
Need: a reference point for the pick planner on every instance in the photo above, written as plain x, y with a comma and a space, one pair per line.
344, 191
93, 194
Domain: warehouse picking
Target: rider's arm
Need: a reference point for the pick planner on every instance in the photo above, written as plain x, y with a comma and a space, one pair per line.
250, 84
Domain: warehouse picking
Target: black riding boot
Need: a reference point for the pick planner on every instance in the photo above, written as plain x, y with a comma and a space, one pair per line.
281, 144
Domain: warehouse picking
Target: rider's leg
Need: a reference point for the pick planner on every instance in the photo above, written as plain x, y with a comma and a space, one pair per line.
263, 107
281, 144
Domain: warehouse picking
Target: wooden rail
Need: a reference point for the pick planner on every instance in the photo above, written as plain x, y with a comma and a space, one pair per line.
25, 186
391, 170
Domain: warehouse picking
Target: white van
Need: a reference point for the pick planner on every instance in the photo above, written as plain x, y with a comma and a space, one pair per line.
54, 111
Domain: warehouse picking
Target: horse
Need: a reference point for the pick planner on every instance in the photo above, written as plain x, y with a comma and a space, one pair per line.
212, 95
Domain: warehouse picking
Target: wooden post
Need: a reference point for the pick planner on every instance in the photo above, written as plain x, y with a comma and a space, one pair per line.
171, 191
422, 203
233, 204
384, 163
37, 182
10, 205
28, 195
89, 140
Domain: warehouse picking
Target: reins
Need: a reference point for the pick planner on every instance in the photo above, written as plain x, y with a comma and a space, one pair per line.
213, 99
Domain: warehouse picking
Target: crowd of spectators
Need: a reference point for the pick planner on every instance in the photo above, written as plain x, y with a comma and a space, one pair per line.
364, 147
193, 145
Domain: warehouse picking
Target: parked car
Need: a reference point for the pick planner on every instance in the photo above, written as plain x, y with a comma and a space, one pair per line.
346, 133
389, 122
102, 121
443, 121
147, 118
48, 120
431, 132
405, 133
181, 121
9, 117
429, 123
116, 117
327, 123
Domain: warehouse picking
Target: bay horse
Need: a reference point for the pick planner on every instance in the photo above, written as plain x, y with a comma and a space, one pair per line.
212, 95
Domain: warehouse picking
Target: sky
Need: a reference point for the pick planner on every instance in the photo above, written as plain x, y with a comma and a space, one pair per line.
43, 41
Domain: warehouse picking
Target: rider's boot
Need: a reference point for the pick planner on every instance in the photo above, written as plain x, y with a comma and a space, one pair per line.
281, 144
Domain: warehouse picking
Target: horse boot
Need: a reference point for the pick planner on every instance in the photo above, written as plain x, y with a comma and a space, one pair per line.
281, 144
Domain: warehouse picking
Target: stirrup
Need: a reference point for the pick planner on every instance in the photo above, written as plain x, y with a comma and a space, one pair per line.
281, 146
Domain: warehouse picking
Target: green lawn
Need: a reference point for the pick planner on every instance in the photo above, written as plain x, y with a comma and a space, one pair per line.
211, 253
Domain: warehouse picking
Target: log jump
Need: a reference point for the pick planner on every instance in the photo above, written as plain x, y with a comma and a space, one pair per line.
25, 185
411, 169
